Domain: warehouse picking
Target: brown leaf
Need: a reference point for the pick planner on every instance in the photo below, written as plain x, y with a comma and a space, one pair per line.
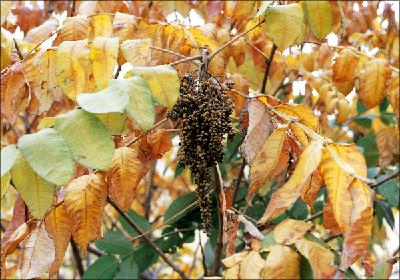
85, 199
393, 94
320, 258
288, 231
28, 18
260, 127
159, 142
373, 82
345, 66
124, 176
231, 232
38, 253
267, 160
356, 239
387, 140
282, 263
59, 226
12, 92
285, 196
18, 218
312, 187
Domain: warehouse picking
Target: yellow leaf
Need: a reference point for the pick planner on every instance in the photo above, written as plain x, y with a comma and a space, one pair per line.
100, 25
103, 55
232, 273
321, 259
338, 181
387, 140
40, 74
235, 259
319, 17
260, 127
285, 196
284, 24
38, 253
124, 26
73, 29
345, 66
7, 45
393, 94
288, 231
124, 176
251, 266
373, 82
59, 226
85, 199
74, 72
282, 263
302, 112
300, 135
356, 239
5, 9
266, 160
136, 52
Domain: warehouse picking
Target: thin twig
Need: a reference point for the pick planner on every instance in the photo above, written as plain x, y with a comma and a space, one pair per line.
267, 59
241, 172
77, 257
149, 190
167, 51
267, 68
94, 251
21, 57
118, 70
187, 59
218, 250
234, 40
148, 240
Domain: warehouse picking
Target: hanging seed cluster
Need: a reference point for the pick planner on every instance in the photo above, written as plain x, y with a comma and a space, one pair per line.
204, 110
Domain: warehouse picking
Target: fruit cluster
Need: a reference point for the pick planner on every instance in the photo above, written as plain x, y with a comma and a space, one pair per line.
203, 109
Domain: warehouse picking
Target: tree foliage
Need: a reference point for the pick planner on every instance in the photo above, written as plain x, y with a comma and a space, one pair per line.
307, 187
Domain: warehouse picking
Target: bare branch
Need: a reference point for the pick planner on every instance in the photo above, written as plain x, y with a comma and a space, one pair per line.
77, 257
187, 59
267, 68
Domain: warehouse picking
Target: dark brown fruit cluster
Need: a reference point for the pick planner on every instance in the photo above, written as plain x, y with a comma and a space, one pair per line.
204, 110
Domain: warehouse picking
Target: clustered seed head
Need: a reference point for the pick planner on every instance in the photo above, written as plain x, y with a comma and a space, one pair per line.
204, 110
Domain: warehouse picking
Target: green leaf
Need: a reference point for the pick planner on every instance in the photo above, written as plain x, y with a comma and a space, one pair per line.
284, 24
128, 269
8, 156
104, 267
163, 82
299, 210
89, 140
115, 122
382, 270
319, 17
268, 240
36, 192
5, 183
141, 221
144, 257
140, 107
383, 211
305, 269
390, 190
179, 204
112, 99
369, 149
114, 243
48, 155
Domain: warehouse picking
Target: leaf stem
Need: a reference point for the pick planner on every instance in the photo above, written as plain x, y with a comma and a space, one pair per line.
148, 240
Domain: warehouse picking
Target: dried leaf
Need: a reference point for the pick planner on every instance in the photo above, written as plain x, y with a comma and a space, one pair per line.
73, 29
124, 26
282, 263
302, 112
321, 259
18, 218
136, 52
103, 55
338, 181
312, 187
7, 45
393, 94
43, 31
124, 176
251, 266
285, 196
38, 253
59, 226
85, 199
267, 160
345, 66
288, 231
387, 140
373, 82
260, 127
230, 233
159, 143
329, 220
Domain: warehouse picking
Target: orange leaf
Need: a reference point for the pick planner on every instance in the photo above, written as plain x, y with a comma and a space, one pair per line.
345, 66
320, 258
260, 127
267, 160
38, 253
18, 218
329, 221
356, 239
284, 197
288, 231
85, 199
124, 176
312, 187
387, 140
393, 94
338, 181
282, 263
73, 29
59, 226
159, 142
373, 82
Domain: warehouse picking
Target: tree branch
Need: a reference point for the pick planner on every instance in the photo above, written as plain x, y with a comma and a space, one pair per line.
267, 68
77, 256
148, 240
218, 250
187, 59
149, 190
